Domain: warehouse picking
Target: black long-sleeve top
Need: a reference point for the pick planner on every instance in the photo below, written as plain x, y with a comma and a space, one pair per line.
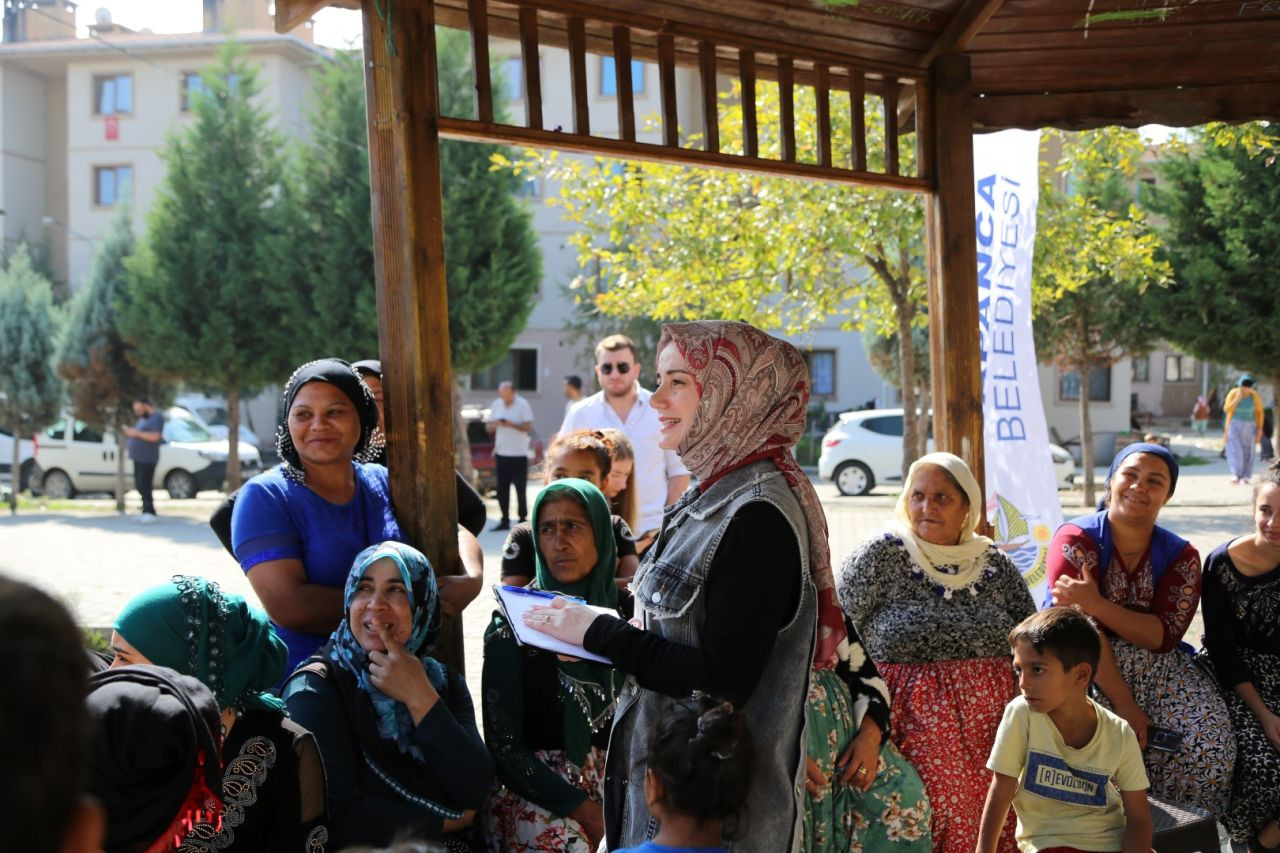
752, 590
363, 809
1240, 612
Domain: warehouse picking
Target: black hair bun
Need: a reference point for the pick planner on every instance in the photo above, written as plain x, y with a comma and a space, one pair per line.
720, 729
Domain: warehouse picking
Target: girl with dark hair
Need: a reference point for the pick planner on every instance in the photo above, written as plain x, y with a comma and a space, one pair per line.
620, 486
396, 727
1241, 609
277, 801
297, 527
583, 454
1140, 584
699, 772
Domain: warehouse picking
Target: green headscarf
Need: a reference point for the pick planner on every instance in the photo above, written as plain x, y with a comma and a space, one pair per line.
591, 689
193, 627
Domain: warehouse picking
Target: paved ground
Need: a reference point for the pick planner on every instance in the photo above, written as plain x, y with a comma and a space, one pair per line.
95, 560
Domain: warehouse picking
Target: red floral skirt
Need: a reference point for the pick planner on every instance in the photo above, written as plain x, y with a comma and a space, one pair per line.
944, 720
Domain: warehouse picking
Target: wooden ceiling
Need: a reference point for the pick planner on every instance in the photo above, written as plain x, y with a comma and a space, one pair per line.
1064, 63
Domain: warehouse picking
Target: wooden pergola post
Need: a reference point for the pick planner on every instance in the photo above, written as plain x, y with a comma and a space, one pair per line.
413, 315
954, 345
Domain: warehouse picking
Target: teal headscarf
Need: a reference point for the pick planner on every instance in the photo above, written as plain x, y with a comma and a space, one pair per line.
190, 625
591, 689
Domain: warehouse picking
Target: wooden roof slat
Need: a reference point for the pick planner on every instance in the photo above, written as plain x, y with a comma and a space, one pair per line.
962, 29
1134, 37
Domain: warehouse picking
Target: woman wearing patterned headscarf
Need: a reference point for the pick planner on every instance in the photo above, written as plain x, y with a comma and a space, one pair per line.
1140, 584
297, 527
736, 592
547, 720
274, 781
396, 728
935, 602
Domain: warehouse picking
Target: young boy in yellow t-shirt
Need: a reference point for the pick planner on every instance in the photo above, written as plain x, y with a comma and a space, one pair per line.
1071, 769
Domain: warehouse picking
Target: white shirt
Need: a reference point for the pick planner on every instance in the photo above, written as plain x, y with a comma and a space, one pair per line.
507, 440
654, 466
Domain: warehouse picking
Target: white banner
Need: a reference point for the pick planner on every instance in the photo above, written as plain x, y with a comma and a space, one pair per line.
1022, 492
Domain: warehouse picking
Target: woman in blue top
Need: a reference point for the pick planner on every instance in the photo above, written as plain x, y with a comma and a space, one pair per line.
297, 527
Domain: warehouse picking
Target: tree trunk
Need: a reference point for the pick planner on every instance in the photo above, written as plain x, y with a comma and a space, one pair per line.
121, 447
1086, 437
461, 443
15, 473
926, 404
911, 434
233, 440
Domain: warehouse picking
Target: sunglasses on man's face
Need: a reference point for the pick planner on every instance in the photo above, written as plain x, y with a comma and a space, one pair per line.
623, 368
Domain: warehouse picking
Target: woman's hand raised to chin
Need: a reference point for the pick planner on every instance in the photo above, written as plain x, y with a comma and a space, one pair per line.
563, 619
400, 675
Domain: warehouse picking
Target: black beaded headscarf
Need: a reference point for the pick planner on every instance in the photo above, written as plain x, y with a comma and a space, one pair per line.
347, 380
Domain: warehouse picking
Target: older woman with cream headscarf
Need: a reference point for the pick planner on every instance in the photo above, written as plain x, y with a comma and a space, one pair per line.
934, 602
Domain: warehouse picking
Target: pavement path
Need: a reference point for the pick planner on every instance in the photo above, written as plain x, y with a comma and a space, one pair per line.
95, 560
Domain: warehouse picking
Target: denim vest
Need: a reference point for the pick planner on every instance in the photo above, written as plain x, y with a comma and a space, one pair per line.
667, 589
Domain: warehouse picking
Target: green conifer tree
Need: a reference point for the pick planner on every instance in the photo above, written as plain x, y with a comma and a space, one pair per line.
30, 391
209, 299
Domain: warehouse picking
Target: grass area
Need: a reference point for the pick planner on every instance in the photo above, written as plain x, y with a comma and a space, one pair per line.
1192, 459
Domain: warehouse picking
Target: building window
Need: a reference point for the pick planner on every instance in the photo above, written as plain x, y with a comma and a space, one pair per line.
1141, 368
1179, 368
609, 77
1099, 385
822, 372
111, 184
192, 84
113, 95
520, 366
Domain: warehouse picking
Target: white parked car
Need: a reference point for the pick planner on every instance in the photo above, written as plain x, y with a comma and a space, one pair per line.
864, 449
27, 467
76, 458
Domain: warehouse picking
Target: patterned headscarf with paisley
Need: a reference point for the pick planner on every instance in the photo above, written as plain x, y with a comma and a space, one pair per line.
754, 400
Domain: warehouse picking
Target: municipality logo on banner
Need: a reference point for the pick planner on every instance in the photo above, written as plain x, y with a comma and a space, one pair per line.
1022, 492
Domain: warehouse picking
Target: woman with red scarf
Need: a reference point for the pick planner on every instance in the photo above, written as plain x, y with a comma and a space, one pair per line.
735, 596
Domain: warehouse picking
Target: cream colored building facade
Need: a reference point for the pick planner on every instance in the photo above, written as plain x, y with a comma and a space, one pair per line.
83, 120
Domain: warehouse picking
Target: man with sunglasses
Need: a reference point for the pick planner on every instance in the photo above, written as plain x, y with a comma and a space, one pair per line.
622, 404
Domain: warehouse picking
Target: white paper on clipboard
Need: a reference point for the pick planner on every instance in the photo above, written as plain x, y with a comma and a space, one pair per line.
515, 600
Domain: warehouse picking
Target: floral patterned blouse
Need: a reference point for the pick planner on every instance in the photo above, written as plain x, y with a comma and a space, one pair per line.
1173, 600
903, 616
1240, 613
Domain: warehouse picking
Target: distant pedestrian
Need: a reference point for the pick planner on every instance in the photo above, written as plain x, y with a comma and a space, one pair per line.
510, 421
1242, 429
1200, 416
623, 405
572, 391
144, 450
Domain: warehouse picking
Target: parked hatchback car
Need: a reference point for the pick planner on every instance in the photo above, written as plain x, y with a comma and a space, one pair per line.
76, 458
864, 449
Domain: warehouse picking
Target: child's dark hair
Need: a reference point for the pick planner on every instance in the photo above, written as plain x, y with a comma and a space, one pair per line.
702, 753
586, 440
1062, 632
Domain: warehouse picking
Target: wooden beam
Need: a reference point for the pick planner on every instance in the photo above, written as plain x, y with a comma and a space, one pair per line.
858, 122
623, 83
822, 93
295, 13
967, 22
667, 86
710, 98
1174, 107
747, 76
413, 313
479, 14
505, 134
578, 76
787, 108
532, 63
891, 127
953, 269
